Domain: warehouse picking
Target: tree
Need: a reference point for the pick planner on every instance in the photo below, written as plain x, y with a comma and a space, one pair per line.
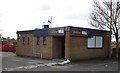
3, 38
105, 16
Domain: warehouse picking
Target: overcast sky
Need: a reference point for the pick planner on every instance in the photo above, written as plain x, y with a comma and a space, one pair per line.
17, 15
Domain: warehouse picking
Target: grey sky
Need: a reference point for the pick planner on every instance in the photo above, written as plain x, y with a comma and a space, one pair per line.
18, 15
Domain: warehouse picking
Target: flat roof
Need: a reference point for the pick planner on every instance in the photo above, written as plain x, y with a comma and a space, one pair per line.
51, 31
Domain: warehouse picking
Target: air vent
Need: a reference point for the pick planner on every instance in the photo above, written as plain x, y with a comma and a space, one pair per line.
45, 26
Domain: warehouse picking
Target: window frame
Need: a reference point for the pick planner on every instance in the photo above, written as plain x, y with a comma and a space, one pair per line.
95, 42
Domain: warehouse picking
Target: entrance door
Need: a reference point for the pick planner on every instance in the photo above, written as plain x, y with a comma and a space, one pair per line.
63, 48
59, 47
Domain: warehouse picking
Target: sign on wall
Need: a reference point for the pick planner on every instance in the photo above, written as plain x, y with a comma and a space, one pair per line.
74, 31
56, 31
84, 33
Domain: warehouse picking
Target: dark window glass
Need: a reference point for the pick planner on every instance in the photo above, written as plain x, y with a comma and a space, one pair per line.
38, 40
28, 40
23, 40
44, 40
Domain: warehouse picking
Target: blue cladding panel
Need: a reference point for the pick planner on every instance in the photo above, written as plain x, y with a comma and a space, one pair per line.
82, 31
60, 31
90, 33
25, 32
41, 32
36, 32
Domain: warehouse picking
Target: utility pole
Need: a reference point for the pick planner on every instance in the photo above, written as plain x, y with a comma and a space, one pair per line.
51, 21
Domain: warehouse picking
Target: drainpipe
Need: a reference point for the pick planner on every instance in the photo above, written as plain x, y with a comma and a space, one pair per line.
41, 55
33, 46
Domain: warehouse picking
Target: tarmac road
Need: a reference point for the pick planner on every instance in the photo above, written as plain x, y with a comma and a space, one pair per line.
11, 62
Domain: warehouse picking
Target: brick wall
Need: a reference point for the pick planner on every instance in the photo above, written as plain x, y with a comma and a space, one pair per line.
25, 49
67, 45
76, 48
41, 51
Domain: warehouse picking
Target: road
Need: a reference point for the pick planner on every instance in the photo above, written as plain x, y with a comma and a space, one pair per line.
11, 62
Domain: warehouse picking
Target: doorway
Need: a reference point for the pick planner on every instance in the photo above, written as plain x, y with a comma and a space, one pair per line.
59, 47
63, 48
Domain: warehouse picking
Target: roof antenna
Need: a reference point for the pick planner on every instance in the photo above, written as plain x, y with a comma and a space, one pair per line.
50, 21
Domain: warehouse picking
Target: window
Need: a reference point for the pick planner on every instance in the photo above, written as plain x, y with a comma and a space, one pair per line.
91, 42
44, 40
95, 42
23, 40
38, 40
28, 41
18, 37
99, 42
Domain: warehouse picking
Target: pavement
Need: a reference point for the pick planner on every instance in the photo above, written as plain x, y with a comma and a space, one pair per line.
11, 62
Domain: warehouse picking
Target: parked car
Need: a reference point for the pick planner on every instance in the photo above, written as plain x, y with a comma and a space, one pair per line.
8, 47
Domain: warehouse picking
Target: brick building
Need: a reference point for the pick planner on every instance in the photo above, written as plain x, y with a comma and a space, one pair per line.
69, 42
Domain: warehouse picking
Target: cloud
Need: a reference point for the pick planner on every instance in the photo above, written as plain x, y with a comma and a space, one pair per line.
29, 14
1, 30
78, 16
45, 7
